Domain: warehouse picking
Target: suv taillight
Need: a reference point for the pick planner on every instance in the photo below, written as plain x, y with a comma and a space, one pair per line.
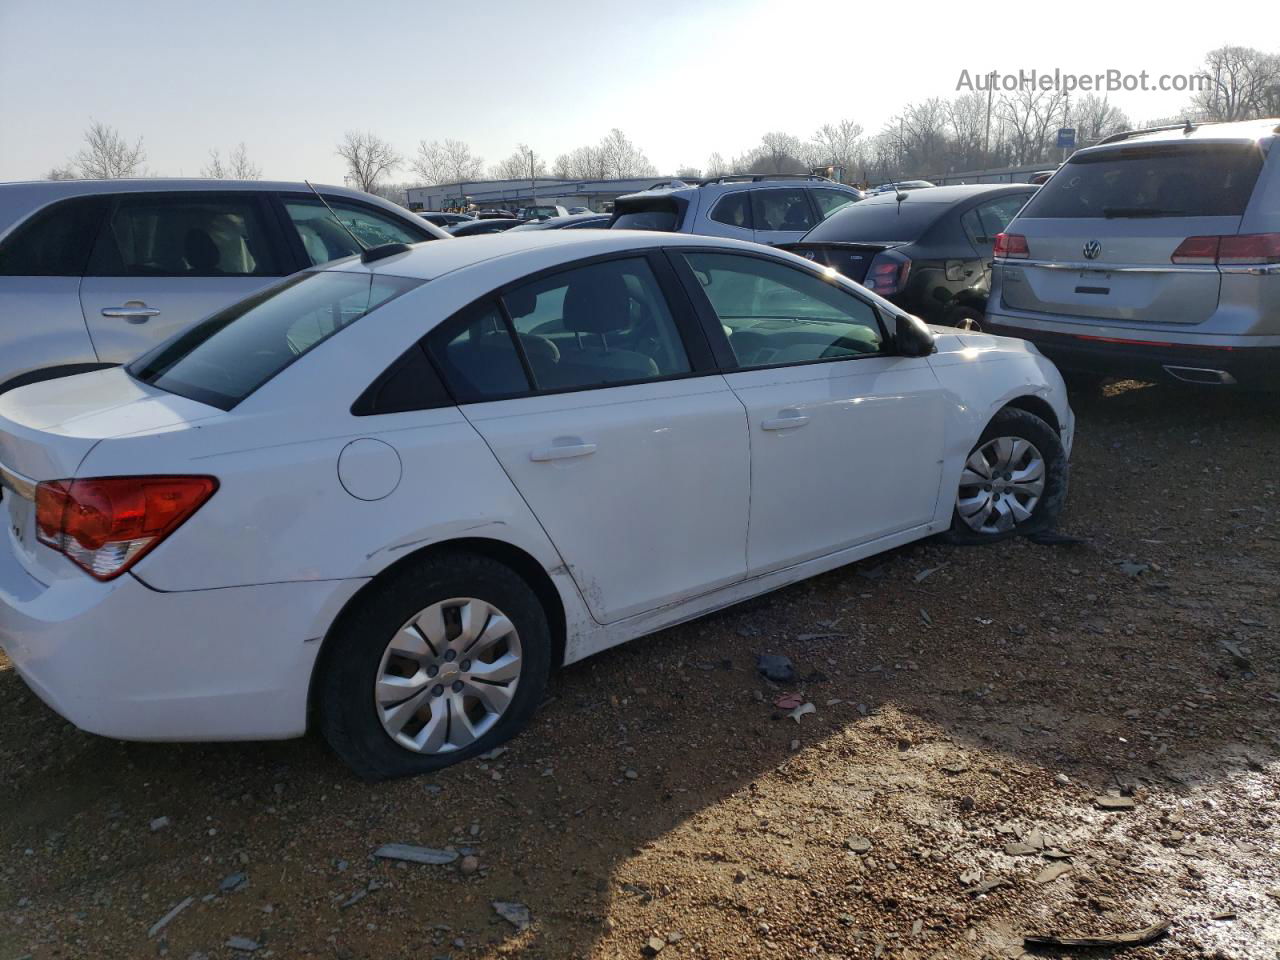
887, 276
1011, 245
1231, 248
106, 524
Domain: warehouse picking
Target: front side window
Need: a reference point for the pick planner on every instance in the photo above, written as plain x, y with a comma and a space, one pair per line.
733, 209
205, 235
55, 242
223, 359
325, 240
829, 201
776, 314
781, 209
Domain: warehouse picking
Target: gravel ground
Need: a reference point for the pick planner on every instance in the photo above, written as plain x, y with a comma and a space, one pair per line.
972, 706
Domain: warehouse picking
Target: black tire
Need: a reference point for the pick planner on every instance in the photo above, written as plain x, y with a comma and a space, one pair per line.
344, 702
1013, 422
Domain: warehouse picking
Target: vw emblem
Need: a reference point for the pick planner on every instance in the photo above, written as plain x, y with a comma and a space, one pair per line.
1091, 250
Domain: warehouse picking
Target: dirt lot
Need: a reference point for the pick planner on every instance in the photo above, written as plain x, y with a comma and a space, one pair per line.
968, 719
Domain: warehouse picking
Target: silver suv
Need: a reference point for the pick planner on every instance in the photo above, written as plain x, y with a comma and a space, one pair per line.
766, 208
95, 272
1155, 254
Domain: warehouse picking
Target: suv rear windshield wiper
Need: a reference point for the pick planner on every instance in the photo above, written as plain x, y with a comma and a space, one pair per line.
1113, 212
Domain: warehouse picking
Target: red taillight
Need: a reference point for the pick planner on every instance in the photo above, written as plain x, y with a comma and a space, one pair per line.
1011, 245
1250, 248
106, 524
1232, 248
1196, 250
887, 276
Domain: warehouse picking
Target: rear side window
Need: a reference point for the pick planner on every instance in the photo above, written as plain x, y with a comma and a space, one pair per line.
230, 355
477, 355
829, 201
203, 235
733, 209
55, 242
1175, 180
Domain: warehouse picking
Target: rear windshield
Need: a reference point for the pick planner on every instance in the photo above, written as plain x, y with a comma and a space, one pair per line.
661, 214
223, 359
1166, 180
871, 222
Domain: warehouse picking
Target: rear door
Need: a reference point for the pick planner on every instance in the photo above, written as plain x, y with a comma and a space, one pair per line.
781, 214
163, 260
594, 389
846, 437
1103, 235
41, 261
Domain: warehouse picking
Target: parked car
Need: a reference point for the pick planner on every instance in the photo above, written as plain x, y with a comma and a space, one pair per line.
573, 210
898, 186
929, 253
536, 449
579, 221
475, 228
542, 211
495, 215
444, 219
1155, 254
94, 272
763, 208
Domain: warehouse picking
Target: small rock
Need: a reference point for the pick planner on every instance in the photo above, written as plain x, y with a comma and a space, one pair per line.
243, 943
1114, 803
404, 851
653, 946
470, 865
631, 775
159, 823
494, 754
777, 668
1052, 872
233, 882
675, 936
1062, 779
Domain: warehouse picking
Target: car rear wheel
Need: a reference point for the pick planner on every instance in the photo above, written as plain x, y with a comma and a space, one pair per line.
445, 660
966, 318
1014, 481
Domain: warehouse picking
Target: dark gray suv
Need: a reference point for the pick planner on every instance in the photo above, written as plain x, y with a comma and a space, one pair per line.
1155, 254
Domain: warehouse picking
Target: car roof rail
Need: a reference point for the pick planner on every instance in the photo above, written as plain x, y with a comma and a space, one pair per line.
757, 177
1186, 126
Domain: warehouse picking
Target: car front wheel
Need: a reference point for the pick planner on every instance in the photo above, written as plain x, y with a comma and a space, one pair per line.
446, 659
1014, 481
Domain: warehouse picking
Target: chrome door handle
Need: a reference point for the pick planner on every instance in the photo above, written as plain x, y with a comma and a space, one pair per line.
135, 311
785, 422
562, 452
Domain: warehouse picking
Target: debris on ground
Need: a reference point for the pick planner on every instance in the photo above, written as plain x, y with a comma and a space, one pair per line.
802, 710
516, 914
1108, 802
403, 851
777, 668
1132, 938
168, 917
243, 944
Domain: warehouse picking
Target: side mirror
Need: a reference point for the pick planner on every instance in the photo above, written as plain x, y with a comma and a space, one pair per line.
912, 337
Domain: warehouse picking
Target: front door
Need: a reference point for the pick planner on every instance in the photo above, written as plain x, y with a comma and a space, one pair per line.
162, 261
846, 437
583, 385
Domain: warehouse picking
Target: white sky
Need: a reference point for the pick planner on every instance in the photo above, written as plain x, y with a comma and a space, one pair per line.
682, 80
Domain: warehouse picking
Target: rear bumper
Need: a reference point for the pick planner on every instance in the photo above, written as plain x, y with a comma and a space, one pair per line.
122, 660
1126, 354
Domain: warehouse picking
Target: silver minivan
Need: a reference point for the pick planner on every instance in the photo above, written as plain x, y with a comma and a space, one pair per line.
1156, 255
95, 272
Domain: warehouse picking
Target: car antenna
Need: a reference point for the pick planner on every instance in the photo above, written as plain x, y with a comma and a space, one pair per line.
368, 254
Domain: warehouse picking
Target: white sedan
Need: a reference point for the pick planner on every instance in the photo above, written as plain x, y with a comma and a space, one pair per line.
391, 495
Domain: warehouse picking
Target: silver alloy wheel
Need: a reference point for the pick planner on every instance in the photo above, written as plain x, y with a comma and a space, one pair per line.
1000, 485
448, 675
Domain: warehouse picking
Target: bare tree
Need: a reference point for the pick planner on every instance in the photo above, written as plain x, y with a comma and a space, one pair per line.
922, 129
1242, 83
716, 166
839, 144
62, 173
521, 165
688, 173
1095, 117
614, 156
106, 155
1027, 117
449, 162
582, 163
967, 123
777, 152
369, 158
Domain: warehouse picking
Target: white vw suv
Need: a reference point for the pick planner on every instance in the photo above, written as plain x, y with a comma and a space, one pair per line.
393, 494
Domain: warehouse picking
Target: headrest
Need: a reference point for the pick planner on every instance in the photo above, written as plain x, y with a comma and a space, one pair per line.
200, 250
597, 302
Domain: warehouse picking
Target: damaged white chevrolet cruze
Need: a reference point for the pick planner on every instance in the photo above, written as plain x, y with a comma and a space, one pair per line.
387, 497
